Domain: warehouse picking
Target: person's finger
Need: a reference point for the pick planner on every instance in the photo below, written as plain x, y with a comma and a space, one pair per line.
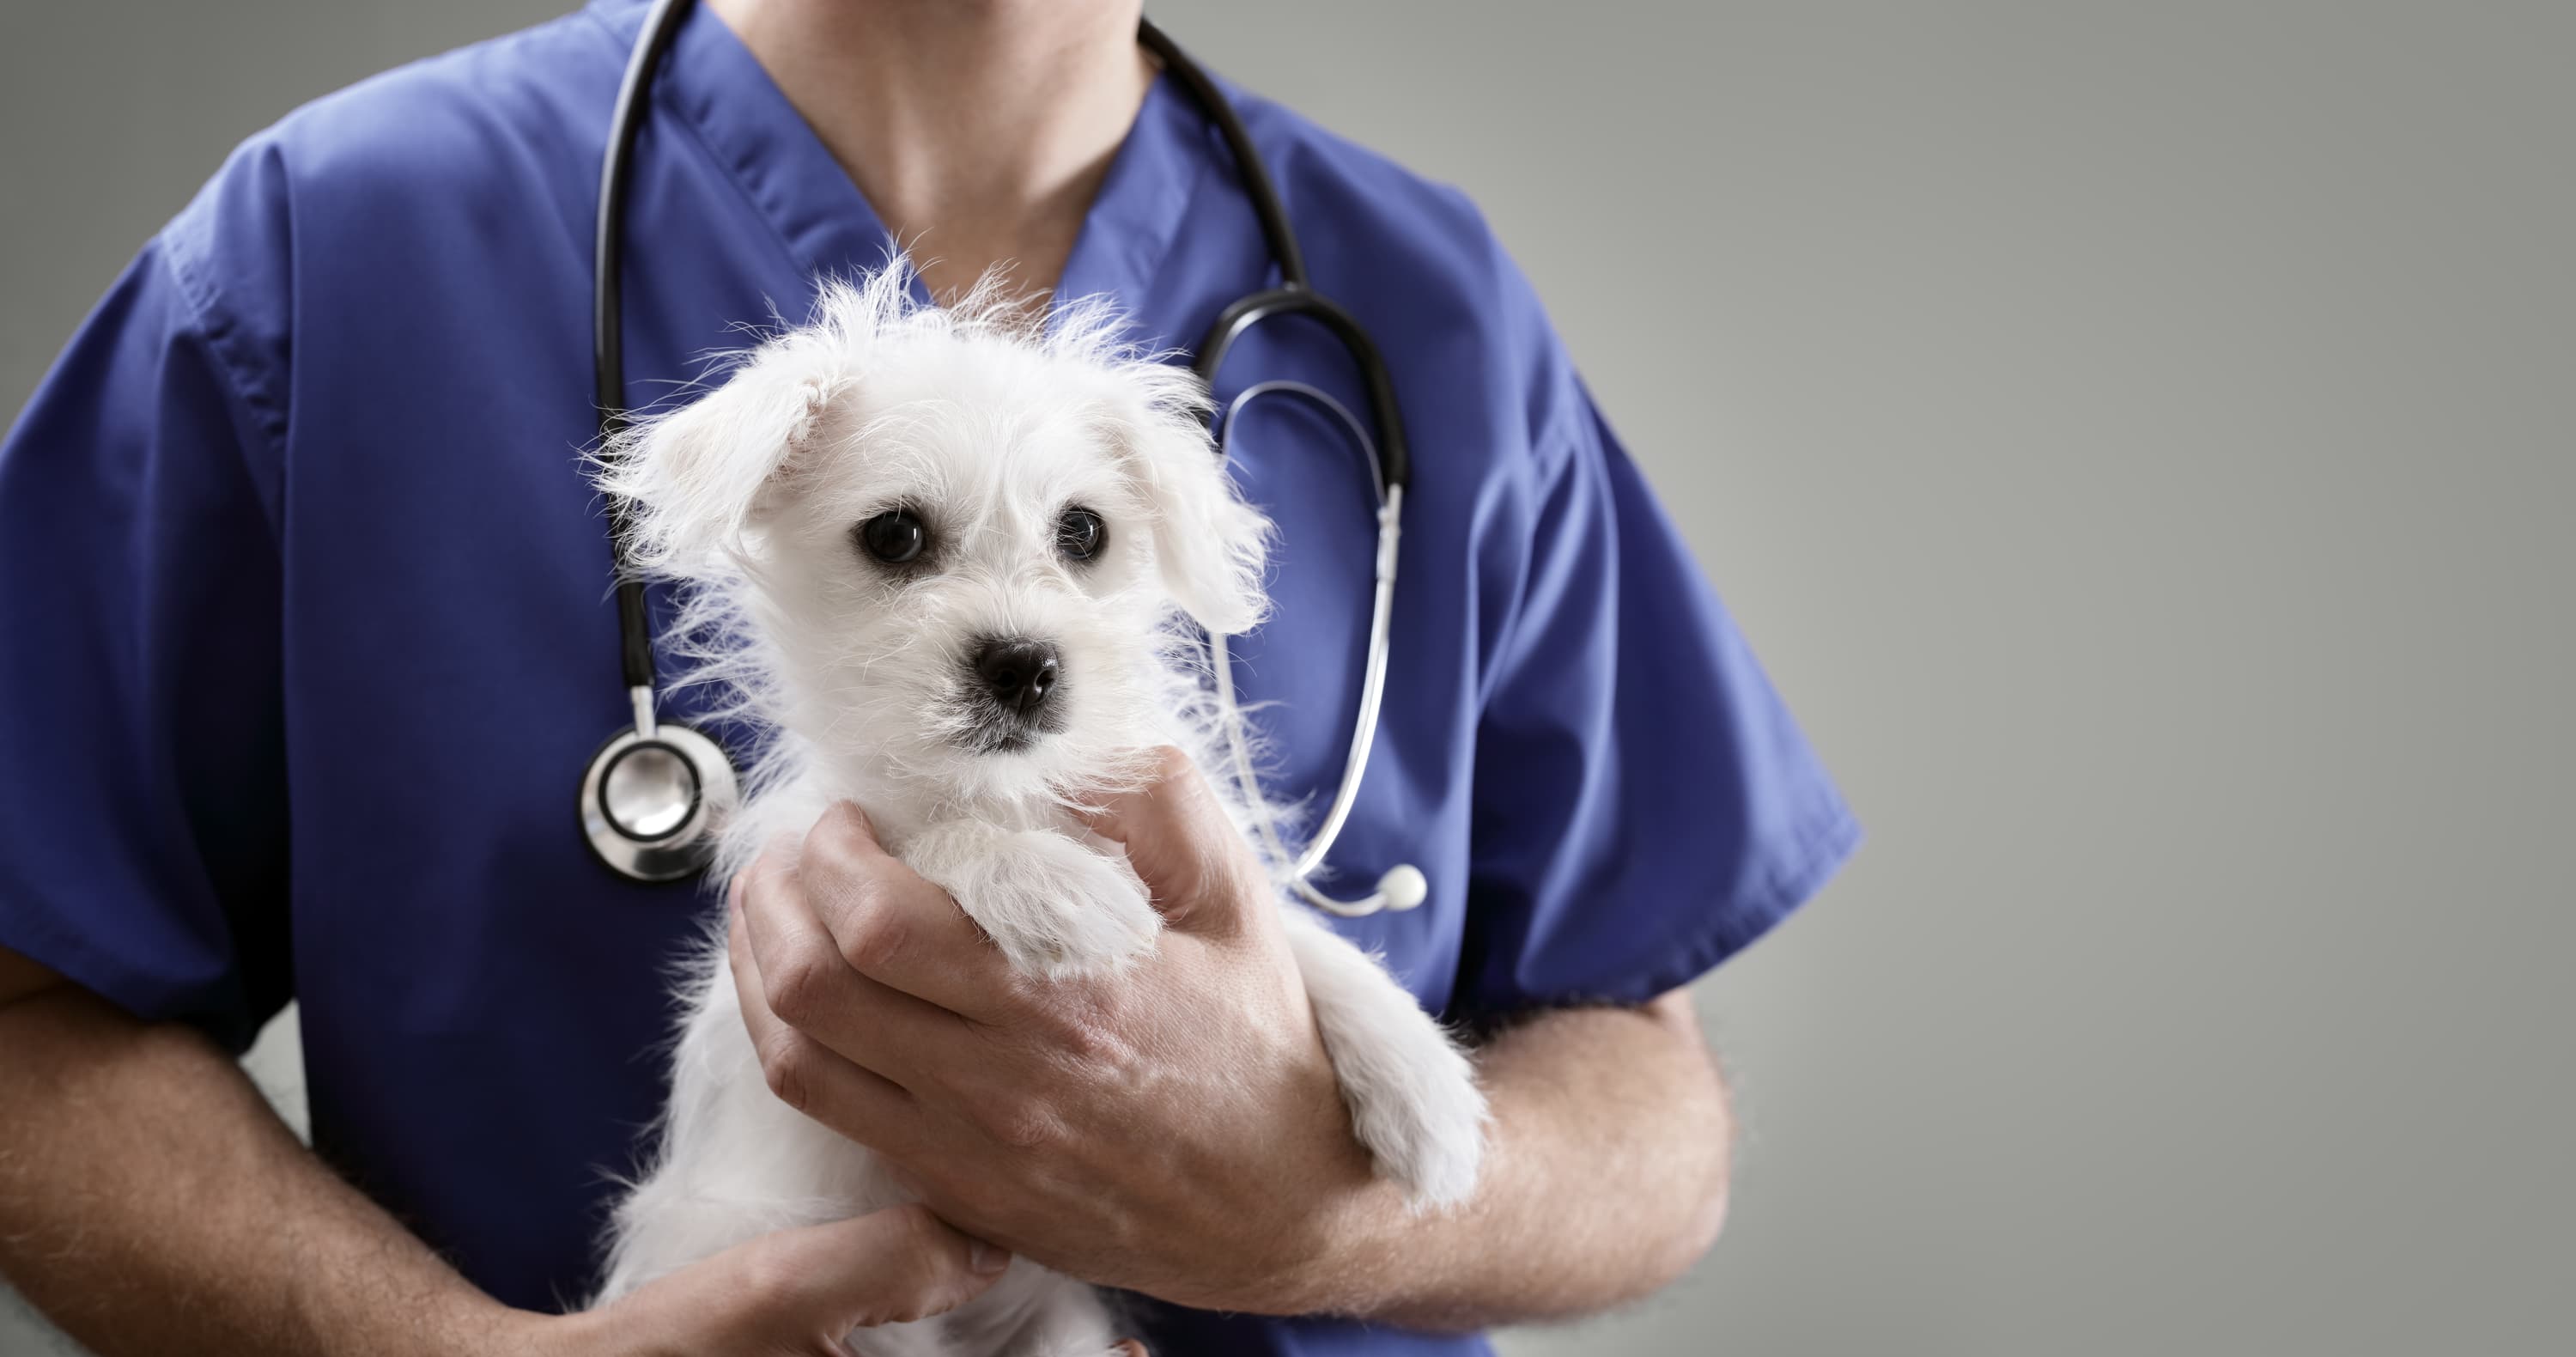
1133, 1348
809, 1076
898, 929
889, 1267
1184, 847
813, 988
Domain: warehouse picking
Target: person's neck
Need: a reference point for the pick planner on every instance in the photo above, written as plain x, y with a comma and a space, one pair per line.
980, 130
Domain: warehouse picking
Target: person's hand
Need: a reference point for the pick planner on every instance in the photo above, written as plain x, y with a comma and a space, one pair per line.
1174, 1129
795, 1293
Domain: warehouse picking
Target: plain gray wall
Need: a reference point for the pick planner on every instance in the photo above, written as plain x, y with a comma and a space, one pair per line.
2138, 440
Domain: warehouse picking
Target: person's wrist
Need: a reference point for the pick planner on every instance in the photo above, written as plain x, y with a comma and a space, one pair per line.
1334, 1254
459, 1318
523, 1333
1340, 1263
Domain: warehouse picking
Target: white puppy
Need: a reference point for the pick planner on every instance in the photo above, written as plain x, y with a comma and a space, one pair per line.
954, 566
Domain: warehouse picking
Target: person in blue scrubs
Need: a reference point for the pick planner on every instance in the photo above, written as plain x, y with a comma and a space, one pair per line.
308, 640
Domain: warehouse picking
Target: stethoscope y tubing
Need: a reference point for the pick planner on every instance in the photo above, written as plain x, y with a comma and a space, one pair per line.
1396, 890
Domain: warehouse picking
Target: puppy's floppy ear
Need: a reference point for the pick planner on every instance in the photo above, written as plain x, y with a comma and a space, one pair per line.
699, 476
1209, 545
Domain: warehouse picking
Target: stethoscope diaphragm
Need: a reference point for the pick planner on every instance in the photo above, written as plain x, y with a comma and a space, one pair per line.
653, 798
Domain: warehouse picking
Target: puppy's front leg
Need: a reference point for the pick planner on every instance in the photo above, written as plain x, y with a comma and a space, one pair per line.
1412, 1093
1055, 907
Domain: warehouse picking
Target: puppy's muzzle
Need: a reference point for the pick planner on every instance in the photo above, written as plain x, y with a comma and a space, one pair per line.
1017, 674
1017, 683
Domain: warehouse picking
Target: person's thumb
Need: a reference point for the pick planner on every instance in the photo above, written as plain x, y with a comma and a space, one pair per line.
1184, 847
889, 1267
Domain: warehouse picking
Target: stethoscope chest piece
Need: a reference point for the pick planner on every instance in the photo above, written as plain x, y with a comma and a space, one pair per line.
653, 800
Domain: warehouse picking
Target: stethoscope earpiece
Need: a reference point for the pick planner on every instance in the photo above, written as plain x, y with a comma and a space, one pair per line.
1402, 888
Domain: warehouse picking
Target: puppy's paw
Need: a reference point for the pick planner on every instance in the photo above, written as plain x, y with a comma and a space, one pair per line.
1055, 907
1411, 1092
1060, 910
1417, 1110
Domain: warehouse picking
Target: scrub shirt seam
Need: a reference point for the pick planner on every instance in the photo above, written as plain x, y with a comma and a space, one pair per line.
1816, 852
216, 333
1557, 431
688, 123
1145, 258
100, 972
622, 48
750, 198
1544, 473
1819, 850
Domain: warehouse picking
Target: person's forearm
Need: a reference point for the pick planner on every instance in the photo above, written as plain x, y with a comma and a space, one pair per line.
151, 1202
1605, 1179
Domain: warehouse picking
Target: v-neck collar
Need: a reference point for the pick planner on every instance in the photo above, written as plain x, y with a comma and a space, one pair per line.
1128, 234
714, 85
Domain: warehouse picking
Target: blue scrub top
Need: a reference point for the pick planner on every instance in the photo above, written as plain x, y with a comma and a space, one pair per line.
309, 639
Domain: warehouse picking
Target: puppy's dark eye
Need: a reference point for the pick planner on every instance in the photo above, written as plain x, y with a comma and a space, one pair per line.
1080, 534
894, 537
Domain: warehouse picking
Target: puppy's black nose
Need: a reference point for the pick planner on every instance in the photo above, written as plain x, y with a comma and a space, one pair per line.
1018, 673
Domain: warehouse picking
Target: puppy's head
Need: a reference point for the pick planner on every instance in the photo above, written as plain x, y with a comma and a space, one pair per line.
957, 546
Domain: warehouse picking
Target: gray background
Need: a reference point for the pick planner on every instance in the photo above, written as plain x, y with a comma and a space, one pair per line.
2136, 437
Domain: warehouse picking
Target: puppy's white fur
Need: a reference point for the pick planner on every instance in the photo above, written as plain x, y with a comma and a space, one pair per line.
753, 497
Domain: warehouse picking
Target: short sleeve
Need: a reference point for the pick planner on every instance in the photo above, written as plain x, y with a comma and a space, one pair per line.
1644, 805
140, 712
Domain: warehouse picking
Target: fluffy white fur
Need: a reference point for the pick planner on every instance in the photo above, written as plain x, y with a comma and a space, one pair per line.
752, 497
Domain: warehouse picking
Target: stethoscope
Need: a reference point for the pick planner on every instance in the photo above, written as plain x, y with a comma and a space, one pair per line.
655, 795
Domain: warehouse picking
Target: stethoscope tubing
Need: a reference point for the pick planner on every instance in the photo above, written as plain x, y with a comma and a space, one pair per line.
1390, 526
608, 332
